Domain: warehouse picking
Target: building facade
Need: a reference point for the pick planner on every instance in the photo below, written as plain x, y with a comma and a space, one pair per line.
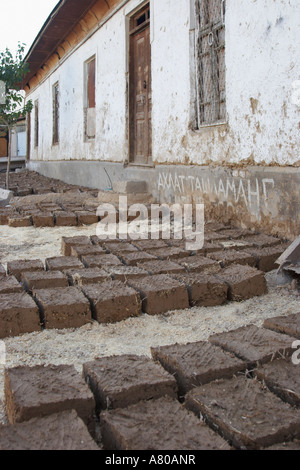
199, 98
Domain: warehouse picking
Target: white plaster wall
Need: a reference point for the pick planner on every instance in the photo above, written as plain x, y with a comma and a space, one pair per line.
262, 62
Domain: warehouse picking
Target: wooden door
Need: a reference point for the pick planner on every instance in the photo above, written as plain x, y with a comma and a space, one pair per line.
140, 97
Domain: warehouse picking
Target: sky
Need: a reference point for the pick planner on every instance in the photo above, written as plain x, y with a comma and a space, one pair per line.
21, 21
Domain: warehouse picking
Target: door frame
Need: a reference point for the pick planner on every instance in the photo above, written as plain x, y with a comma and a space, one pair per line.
130, 32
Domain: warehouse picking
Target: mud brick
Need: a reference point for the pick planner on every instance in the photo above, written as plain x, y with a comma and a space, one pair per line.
214, 236
95, 240
235, 233
204, 290
44, 219
112, 301
169, 253
4, 217
63, 307
62, 263
120, 381
68, 242
238, 245
19, 221
86, 250
120, 247
209, 248
43, 280
65, 219
261, 241
228, 257
289, 325
162, 267
17, 267
244, 282
216, 227
19, 314
9, 285
2, 271
34, 392
96, 261
81, 277
162, 424
254, 345
245, 412
59, 431
199, 264
282, 378
266, 257
87, 218
123, 273
147, 245
196, 364
133, 259
160, 294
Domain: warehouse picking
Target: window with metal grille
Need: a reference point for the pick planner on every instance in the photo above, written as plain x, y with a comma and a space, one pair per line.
210, 61
55, 113
36, 124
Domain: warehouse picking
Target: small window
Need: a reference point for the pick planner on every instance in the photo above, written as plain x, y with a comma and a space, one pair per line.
210, 61
90, 99
36, 124
55, 113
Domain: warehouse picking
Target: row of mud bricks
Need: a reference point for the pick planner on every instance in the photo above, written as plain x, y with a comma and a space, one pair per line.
238, 390
109, 282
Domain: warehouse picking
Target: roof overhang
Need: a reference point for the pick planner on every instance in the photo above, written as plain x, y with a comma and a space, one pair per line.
58, 25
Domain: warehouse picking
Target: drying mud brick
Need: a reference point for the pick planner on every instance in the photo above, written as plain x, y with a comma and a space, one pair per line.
87, 250
196, 364
34, 392
19, 314
81, 277
68, 242
19, 221
62, 263
289, 325
112, 301
123, 273
120, 381
245, 412
160, 294
244, 282
282, 378
65, 219
63, 307
261, 241
266, 257
133, 259
87, 218
254, 345
44, 219
237, 245
100, 261
161, 424
63, 431
9, 285
43, 280
204, 290
199, 264
228, 257
147, 245
161, 267
169, 253
18, 267
120, 248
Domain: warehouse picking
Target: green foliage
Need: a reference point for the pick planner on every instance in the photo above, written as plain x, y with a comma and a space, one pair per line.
12, 71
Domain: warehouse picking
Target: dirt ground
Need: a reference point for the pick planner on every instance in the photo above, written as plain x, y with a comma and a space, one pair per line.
133, 336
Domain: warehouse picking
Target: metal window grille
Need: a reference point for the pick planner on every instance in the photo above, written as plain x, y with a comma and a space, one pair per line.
210, 60
36, 124
55, 113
